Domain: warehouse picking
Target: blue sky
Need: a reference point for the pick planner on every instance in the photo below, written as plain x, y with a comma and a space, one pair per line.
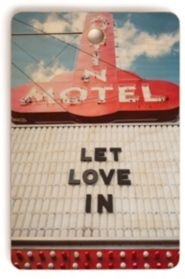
148, 45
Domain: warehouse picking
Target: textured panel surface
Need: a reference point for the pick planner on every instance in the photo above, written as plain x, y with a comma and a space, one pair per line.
44, 205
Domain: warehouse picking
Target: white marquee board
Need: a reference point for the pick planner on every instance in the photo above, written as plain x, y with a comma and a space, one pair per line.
45, 206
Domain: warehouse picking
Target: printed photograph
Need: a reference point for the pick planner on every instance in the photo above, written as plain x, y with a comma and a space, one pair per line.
95, 140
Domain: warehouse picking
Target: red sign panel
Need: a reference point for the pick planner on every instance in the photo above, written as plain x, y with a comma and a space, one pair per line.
96, 91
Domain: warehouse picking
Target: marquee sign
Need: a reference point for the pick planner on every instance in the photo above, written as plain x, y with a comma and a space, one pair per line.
94, 182
96, 189
96, 90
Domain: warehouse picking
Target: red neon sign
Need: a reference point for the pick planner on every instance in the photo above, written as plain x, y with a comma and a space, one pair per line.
96, 91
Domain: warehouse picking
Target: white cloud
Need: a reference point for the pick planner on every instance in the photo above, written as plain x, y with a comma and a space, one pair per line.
134, 43
55, 22
58, 23
41, 72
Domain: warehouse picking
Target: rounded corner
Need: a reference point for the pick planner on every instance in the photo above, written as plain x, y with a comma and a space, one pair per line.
175, 16
14, 265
